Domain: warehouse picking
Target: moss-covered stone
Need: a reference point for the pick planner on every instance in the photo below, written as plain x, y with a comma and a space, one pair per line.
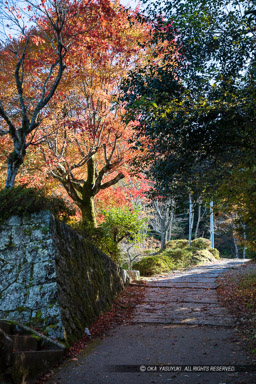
203, 255
151, 265
88, 280
180, 243
181, 257
201, 243
214, 252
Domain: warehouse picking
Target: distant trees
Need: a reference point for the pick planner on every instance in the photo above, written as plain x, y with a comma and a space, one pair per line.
162, 218
199, 111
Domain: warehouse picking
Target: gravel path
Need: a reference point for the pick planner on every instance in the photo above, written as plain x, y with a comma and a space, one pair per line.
180, 323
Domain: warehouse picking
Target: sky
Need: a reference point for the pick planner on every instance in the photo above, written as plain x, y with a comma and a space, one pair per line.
131, 3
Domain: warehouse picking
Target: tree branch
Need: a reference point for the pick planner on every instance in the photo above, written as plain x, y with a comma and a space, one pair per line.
2, 133
4, 115
19, 83
115, 180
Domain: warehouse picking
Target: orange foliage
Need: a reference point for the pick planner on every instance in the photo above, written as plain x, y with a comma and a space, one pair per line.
83, 118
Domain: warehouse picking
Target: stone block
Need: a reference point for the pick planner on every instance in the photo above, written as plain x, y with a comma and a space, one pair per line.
12, 255
134, 275
14, 221
21, 316
125, 276
41, 295
13, 298
18, 238
5, 239
44, 272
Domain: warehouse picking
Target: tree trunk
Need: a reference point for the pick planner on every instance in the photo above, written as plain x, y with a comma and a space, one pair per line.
211, 224
163, 234
245, 238
198, 220
88, 211
190, 221
87, 205
169, 232
13, 164
244, 252
236, 248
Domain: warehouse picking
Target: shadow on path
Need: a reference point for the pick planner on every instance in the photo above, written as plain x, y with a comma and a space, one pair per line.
180, 322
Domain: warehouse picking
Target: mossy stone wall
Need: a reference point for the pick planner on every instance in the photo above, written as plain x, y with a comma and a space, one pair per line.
51, 278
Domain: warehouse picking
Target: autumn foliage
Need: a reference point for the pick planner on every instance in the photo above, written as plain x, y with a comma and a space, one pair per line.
62, 115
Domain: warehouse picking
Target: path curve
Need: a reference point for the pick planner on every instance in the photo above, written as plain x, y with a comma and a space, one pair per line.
180, 322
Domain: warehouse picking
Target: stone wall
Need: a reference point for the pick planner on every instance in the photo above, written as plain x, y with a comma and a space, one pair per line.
52, 278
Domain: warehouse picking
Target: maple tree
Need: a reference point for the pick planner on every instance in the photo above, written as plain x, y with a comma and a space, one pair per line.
33, 59
85, 144
88, 146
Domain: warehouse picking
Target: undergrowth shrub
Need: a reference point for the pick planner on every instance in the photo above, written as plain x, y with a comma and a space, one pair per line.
214, 252
154, 264
21, 201
201, 243
100, 239
179, 255
180, 243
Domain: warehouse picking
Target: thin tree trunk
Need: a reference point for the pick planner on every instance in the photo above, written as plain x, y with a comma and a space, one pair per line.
190, 221
244, 248
11, 175
211, 224
236, 248
87, 205
198, 220
169, 234
163, 235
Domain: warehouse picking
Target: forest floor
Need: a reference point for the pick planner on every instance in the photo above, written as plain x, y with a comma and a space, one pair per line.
237, 292
181, 319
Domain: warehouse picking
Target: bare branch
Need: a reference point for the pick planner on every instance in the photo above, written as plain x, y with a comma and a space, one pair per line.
2, 133
4, 115
114, 181
44, 100
19, 84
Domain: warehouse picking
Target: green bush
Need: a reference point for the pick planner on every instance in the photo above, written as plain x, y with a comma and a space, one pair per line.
180, 257
214, 252
148, 252
100, 239
175, 253
151, 265
181, 243
21, 201
124, 223
201, 243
